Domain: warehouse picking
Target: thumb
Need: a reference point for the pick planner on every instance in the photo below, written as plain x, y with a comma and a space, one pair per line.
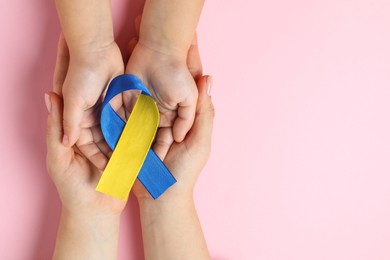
56, 153
194, 62
185, 112
201, 131
205, 106
73, 115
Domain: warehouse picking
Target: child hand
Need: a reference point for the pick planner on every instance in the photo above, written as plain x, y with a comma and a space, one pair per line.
186, 159
160, 57
81, 77
193, 66
171, 84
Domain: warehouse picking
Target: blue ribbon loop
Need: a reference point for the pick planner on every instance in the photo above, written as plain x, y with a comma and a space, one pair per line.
154, 175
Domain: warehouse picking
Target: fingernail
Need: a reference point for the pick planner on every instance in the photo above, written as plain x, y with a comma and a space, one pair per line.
209, 85
48, 102
65, 140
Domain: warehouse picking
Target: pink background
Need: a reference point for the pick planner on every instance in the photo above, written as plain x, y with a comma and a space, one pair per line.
300, 167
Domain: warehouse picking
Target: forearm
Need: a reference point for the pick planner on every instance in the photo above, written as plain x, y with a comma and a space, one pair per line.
169, 26
86, 24
87, 238
171, 230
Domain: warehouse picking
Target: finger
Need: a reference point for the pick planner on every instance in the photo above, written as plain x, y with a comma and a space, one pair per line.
91, 116
205, 105
133, 42
74, 108
62, 64
57, 154
200, 134
167, 116
101, 142
93, 154
124, 103
185, 117
137, 24
194, 62
93, 135
163, 142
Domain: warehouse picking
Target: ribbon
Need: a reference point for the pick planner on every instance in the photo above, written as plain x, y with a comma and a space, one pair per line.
130, 141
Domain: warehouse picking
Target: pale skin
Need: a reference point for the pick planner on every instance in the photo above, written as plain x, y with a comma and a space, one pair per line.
170, 224
89, 223
166, 33
90, 220
167, 30
89, 226
87, 59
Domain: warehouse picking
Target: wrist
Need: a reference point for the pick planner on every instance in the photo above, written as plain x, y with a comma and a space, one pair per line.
107, 58
82, 237
86, 25
95, 44
169, 26
93, 51
138, 63
101, 225
164, 47
166, 203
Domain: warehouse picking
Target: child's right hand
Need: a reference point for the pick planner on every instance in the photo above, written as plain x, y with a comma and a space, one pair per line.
81, 77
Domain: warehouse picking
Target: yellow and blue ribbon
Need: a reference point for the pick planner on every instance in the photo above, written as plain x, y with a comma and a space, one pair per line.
130, 141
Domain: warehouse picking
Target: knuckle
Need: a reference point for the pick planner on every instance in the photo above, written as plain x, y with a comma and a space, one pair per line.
208, 110
68, 123
211, 110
